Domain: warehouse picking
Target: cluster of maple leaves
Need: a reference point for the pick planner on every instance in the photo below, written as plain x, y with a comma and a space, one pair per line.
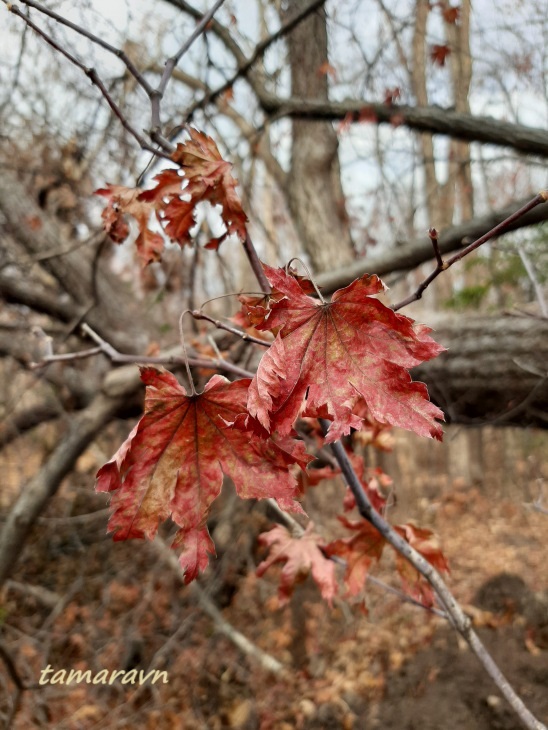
345, 361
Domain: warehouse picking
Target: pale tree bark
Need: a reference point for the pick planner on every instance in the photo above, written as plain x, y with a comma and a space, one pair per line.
441, 197
418, 85
460, 63
315, 194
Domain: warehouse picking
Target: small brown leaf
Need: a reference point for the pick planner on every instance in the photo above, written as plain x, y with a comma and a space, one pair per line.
438, 54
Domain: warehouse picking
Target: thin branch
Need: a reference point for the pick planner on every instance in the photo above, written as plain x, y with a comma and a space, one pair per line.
141, 80
539, 199
458, 618
114, 356
157, 94
65, 357
185, 354
266, 661
434, 238
198, 314
255, 262
407, 255
47, 598
93, 76
260, 49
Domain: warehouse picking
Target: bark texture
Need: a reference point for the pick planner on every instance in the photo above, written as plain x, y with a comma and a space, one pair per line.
434, 119
315, 193
408, 255
494, 372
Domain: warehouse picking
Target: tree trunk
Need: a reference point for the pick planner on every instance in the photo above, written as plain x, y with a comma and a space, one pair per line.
494, 372
315, 194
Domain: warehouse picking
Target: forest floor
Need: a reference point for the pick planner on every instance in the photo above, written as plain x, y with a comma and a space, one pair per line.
98, 605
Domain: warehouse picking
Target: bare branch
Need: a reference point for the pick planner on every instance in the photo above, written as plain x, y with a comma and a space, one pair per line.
245, 66
114, 356
43, 485
409, 255
539, 199
197, 314
171, 63
141, 80
433, 119
93, 76
267, 662
458, 618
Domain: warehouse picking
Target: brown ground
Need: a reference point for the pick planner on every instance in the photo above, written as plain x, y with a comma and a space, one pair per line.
111, 605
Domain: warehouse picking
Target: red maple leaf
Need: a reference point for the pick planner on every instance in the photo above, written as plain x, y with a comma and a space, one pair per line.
365, 547
124, 201
438, 54
359, 551
301, 555
337, 354
391, 95
173, 462
427, 544
206, 177
451, 13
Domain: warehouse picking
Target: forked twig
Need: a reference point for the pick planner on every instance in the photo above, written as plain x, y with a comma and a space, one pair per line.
442, 265
114, 356
198, 314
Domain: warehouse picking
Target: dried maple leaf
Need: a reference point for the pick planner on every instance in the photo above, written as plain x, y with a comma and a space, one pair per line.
359, 551
438, 54
337, 354
173, 462
123, 201
326, 69
206, 178
301, 555
427, 544
373, 480
366, 546
391, 95
451, 14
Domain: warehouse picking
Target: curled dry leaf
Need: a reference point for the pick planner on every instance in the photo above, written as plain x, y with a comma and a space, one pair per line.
359, 551
301, 555
206, 177
203, 176
123, 201
427, 544
366, 546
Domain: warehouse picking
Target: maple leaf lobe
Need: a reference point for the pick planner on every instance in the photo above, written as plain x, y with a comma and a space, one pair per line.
173, 463
338, 354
